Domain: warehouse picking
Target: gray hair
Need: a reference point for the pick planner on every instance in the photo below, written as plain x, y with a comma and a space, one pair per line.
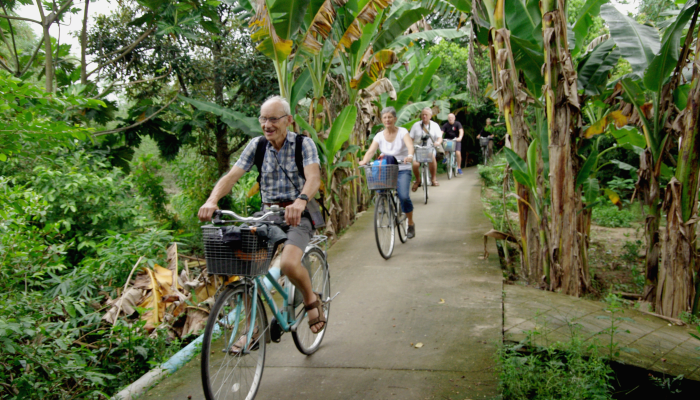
279, 99
389, 110
428, 109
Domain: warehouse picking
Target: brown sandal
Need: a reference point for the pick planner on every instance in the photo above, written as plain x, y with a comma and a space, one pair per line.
416, 185
237, 347
321, 317
435, 183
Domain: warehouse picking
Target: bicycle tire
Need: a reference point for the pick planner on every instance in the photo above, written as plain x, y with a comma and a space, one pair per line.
225, 374
426, 181
384, 226
306, 341
450, 161
485, 153
401, 220
456, 166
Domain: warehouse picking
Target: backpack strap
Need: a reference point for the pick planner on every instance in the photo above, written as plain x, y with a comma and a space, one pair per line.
298, 157
260, 156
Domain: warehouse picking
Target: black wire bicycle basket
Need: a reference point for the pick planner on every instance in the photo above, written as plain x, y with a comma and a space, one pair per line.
382, 176
234, 250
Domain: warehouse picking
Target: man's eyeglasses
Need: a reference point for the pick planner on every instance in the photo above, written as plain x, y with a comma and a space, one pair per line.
273, 120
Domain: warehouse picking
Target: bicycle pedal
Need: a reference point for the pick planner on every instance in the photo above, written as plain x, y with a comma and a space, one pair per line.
331, 298
275, 331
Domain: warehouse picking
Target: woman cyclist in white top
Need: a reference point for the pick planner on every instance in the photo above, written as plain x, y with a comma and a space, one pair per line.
395, 141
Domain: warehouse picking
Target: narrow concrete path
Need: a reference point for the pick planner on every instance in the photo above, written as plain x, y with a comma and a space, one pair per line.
386, 307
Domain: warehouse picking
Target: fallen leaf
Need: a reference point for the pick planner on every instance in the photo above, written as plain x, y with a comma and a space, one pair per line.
442, 301
418, 345
128, 301
196, 320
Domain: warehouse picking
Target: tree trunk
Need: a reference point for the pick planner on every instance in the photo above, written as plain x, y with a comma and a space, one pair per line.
83, 45
510, 101
675, 291
569, 271
223, 154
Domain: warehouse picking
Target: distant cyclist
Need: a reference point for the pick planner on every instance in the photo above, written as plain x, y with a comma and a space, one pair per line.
452, 129
430, 130
487, 131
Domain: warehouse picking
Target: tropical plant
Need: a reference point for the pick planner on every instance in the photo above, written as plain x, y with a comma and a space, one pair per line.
657, 67
331, 157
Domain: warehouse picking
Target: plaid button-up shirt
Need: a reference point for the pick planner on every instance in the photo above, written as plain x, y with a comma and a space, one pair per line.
275, 187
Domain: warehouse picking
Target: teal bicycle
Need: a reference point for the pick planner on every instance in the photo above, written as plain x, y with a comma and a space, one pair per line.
451, 162
237, 332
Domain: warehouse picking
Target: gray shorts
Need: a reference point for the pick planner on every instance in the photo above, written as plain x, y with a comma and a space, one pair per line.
301, 234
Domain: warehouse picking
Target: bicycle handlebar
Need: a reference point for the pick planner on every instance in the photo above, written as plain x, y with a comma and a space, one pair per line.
216, 218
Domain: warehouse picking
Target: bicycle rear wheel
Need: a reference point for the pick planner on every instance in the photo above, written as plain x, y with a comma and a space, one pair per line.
426, 181
306, 341
450, 162
384, 226
401, 220
226, 373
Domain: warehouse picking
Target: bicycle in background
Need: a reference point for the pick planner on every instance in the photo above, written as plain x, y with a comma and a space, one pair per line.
485, 153
424, 154
451, 164
237, 331
382, 179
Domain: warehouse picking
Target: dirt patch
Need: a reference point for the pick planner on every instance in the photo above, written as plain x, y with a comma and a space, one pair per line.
616, 260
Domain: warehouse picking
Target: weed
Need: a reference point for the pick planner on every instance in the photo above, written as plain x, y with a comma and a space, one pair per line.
696, 336
631, 251
614, 307
668, 383
689, 318
558, 371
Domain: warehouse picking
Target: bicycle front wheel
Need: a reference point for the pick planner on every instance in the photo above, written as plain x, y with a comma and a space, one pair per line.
450, 162
306, 341
401, 220
384, 226
229, 371
426, 182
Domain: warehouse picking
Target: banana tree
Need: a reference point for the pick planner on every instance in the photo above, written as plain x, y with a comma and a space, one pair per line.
657, 66
569, 268
678, 279
505, 17
526, 174
333, 161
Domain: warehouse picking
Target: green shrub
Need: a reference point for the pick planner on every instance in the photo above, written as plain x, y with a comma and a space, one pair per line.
560, 371
58, 348
611, 217
86, 197
150, 185
494, 173
27, 254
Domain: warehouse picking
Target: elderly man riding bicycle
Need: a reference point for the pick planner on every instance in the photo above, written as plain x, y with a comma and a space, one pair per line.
282, 184
430, 130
